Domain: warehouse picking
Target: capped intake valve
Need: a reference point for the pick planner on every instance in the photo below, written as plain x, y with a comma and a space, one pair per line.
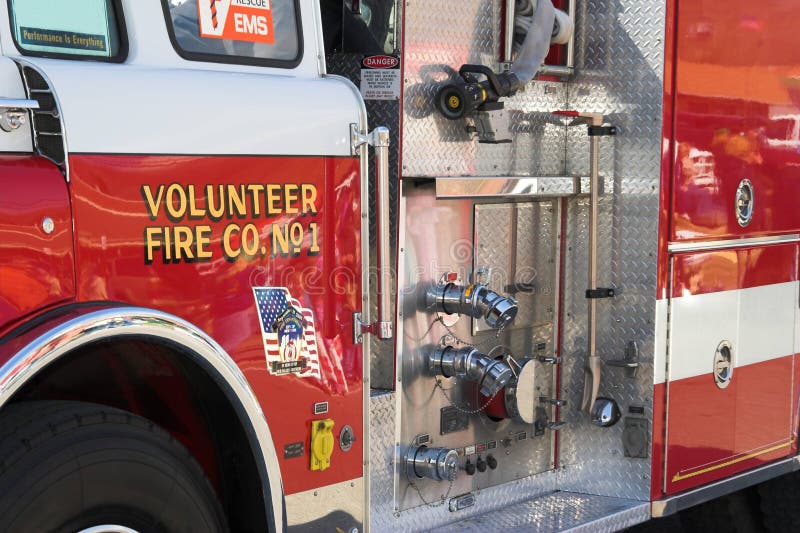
473, 300
468, 363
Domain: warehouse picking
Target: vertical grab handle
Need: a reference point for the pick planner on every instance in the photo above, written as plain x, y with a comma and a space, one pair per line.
379, 139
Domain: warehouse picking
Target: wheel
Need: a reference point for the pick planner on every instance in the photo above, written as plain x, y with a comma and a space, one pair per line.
779, 499
73, 466
735, 513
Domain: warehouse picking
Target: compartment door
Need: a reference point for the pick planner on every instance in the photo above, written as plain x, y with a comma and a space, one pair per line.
731, 362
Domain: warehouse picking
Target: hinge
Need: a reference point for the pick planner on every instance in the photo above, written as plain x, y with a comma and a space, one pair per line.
383, 330
361, 328
357, 139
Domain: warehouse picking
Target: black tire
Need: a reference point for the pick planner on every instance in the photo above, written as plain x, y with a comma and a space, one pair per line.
711, 516
735, 513
779, 503
68, 466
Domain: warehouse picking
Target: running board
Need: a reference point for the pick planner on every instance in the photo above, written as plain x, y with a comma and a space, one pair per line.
558, 512
729, 485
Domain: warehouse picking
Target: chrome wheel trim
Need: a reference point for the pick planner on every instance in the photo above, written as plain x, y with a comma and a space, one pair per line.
108, 528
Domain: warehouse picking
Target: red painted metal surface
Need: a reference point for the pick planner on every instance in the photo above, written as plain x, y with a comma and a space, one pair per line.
736, 117
713, 432
716, 433
114, 198
36, 269
725, 270
731, 111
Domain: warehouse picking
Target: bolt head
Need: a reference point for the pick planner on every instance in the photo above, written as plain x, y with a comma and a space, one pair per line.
48, 225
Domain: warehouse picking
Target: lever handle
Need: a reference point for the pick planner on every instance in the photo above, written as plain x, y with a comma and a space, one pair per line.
18, 103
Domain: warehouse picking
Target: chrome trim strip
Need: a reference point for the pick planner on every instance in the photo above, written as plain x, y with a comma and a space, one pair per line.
363, 154
18, 103
503, 186
108, 529
683, 501
126, 321
678, 247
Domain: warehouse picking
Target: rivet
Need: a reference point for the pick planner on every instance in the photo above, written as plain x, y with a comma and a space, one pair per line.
316, 493
48, 226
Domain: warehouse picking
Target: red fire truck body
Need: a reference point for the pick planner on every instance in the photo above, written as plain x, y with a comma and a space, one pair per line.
185, 239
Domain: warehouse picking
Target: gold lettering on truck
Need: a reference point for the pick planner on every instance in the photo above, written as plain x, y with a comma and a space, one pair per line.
261, 220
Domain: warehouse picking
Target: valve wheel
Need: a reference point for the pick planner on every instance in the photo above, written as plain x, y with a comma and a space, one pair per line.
74, 466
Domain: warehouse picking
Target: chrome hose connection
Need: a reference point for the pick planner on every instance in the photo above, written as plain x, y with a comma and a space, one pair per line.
439, 464
468, 363
476, 301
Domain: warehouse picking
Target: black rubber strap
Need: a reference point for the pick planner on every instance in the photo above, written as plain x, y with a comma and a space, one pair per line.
599, 293
602, 131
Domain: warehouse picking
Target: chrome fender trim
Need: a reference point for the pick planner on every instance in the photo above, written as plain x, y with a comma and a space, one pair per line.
126, 321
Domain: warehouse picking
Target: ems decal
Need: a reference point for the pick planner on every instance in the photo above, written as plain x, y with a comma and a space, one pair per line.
236, 20
287, 332
286, 227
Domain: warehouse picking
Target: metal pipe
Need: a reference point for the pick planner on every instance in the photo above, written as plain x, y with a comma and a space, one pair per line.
473, 300
571, 8
508, 50
468, 363
438, 464
380, 141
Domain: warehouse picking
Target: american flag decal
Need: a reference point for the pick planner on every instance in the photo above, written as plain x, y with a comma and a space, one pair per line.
288, 333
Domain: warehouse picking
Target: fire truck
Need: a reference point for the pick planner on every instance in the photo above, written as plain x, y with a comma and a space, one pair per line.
384, 265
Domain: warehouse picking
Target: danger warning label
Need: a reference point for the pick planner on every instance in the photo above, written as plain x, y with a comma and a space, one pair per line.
380, 77
237, 20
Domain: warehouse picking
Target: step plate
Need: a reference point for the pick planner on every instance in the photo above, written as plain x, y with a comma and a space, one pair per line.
558, 512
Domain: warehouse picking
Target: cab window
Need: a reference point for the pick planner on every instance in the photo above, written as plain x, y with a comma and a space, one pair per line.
264, 32
88, 29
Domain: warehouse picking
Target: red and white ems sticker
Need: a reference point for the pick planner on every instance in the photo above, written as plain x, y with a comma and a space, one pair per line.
237, 20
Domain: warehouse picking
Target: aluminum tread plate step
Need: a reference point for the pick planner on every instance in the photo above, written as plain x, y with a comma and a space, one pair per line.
558, 512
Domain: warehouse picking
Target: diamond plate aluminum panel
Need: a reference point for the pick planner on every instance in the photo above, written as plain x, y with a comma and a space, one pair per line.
619, 63
619, 72
438, 238
438, 40
518, 244
379, 113
381, 460
559, 512
385, 517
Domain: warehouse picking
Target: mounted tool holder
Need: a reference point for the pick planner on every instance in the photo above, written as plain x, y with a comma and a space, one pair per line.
604, 412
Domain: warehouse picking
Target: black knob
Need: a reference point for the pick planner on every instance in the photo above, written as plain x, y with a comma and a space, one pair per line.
481, 464
491, 461
469, 468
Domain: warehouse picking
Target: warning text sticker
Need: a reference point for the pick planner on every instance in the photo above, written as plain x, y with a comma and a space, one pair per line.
380, 77
237, 20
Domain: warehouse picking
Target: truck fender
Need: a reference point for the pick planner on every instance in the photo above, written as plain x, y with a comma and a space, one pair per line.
48, 341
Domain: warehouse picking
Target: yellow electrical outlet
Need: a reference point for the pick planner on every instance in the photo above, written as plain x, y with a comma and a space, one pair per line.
321, 443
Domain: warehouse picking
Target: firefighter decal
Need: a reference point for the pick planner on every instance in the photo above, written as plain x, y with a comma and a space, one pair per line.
236, 20
288, 334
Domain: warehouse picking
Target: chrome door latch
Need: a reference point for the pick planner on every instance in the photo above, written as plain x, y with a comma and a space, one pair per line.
14, 112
